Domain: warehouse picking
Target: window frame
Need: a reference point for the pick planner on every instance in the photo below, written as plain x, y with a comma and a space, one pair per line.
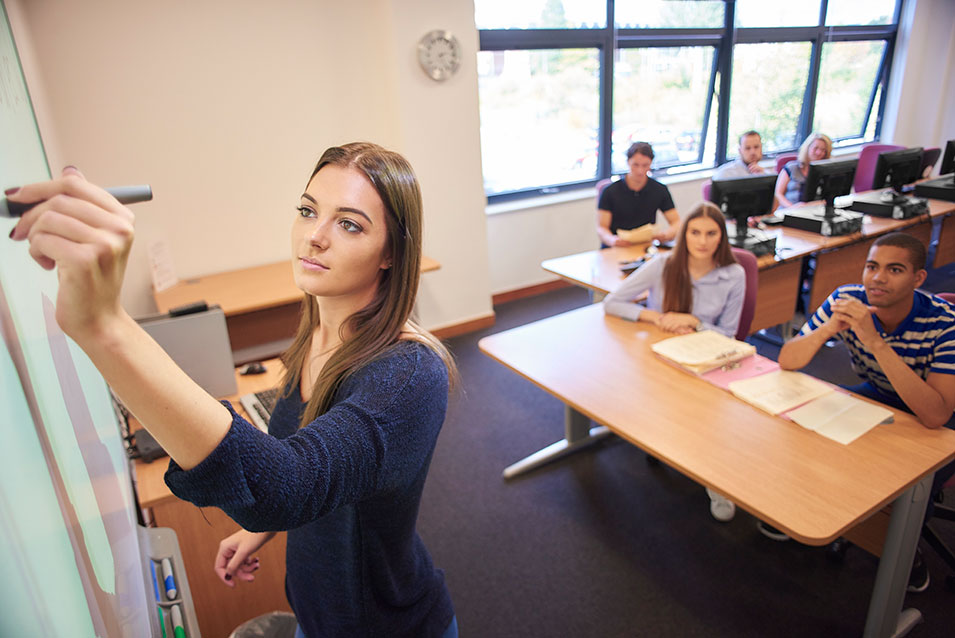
608, 39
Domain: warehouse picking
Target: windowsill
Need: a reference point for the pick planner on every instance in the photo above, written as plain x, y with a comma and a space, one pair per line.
542, 201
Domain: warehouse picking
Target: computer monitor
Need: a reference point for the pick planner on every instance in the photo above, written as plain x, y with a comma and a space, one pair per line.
741, 198
828, 179
897, 168
948, 159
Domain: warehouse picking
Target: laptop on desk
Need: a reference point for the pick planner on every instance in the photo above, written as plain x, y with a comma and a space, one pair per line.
199, 344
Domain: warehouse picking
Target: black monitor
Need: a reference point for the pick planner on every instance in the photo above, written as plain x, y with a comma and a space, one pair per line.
828, 179
895, 169
741, 198
948, 159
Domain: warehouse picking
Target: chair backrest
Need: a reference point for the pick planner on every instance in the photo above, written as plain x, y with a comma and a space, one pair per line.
947, 296
706, 190
601, 185
929, 157
865, 170
782, 160
747, 260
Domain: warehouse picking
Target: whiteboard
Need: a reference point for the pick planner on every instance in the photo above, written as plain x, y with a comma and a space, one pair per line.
68, 533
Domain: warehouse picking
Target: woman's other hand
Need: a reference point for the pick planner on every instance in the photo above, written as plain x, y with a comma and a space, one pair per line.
234, 560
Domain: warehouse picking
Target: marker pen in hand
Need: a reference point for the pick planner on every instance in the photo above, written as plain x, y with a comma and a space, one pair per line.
123, 194
168, 580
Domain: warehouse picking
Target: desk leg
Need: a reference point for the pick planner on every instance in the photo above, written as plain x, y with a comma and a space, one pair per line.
886, 617
577, 435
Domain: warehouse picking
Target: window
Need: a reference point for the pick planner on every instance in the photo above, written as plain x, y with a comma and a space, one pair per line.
660, 97
769, 82
567, 85
539, 117
847, 79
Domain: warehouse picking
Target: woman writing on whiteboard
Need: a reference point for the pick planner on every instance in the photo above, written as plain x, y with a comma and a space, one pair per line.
697, 286
365, 393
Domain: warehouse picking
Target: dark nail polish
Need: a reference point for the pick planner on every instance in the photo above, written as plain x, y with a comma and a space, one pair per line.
228, 576
13, 230
11, 191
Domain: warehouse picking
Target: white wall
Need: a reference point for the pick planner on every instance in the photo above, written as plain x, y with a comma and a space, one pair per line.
224, 106
921, 98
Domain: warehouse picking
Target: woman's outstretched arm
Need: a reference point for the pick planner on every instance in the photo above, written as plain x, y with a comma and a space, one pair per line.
83, 232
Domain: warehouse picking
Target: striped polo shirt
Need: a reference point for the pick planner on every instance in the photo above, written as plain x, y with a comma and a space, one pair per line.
925, 340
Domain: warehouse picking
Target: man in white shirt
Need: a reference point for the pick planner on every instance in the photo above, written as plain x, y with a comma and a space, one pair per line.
750, 152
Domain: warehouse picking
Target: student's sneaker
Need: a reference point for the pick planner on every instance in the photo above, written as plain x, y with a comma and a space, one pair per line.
721, 507
771, 532
918, 577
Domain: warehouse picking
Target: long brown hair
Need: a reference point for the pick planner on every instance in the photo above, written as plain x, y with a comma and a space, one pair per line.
377, 327
677, 287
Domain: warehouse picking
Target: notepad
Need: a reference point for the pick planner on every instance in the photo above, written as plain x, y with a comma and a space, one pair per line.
779, 391
840, 417
700, 352
638, 235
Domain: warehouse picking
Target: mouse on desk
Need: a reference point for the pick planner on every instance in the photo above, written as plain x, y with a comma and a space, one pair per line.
256, 367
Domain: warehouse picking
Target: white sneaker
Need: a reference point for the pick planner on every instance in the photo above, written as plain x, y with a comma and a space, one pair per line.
721, 507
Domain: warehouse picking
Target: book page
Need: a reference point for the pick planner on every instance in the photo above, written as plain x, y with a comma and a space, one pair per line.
779, 391
638, 235
702, 348
840, 417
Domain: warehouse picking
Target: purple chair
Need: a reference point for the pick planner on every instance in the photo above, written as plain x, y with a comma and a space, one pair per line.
747, 260
782, 160
865, 171
929, 157
706, 190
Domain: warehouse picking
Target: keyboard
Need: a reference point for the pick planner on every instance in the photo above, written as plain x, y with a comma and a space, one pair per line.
259, 406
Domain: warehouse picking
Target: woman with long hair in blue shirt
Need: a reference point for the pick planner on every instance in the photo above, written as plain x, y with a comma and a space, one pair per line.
364, 396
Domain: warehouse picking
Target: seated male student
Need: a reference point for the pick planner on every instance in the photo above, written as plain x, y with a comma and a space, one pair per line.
633, 201
900, 340
750, 154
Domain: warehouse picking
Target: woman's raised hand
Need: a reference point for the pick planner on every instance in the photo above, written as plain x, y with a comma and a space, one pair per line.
82, 231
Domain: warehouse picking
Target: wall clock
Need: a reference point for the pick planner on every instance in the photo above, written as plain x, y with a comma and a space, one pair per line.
439, 54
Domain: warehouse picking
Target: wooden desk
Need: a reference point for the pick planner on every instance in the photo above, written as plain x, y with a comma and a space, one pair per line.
945, 249
839, 261
599, 270
219, 609
261, 305
812, 488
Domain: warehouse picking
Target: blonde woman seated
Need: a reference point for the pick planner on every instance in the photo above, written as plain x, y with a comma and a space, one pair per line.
696, 286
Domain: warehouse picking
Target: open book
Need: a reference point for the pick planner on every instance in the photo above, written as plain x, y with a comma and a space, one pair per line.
811, 403
779, 391
840, 417
703, 351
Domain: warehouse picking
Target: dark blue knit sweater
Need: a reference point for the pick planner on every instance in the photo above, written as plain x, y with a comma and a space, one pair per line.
347, 488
